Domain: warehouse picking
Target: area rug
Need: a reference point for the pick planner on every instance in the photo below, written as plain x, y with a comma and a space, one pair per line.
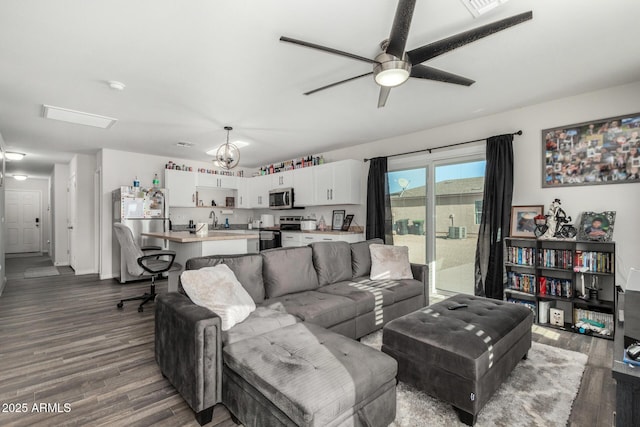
31, 273
539, 392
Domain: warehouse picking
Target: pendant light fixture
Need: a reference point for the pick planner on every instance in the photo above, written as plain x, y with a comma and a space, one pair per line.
228, 155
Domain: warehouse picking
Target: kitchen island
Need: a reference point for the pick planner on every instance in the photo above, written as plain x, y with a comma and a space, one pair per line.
188, 245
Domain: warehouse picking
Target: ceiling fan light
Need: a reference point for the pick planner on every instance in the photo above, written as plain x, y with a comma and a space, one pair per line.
391, 71
392, 77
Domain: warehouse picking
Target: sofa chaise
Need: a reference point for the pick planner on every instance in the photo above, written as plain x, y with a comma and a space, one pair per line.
294, 360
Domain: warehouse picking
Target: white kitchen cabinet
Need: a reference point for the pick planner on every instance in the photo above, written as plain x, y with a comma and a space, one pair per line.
338, 183
216, 181
282, 179
291, 239
259, 191
181, 186
303, 187
244, 192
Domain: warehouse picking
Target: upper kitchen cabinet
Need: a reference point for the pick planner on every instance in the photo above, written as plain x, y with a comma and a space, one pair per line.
283, 179
303, 187
256, 191
338, 183
244, 192
217, 181
181, 186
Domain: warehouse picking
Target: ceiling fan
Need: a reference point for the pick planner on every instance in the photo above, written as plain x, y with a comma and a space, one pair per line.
393, 66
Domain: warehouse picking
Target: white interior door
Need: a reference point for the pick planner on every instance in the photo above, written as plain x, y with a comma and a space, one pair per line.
71, 219
23, 219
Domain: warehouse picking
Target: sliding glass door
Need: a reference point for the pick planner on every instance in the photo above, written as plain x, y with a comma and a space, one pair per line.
436, 204
458, 206
408, 189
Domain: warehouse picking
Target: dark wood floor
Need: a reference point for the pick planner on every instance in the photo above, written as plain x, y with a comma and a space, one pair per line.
63, 341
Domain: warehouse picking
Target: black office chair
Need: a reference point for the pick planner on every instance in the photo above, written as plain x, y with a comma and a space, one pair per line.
147, 263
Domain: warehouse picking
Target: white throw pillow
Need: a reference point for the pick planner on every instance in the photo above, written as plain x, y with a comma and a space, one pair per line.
217, 289
389, 262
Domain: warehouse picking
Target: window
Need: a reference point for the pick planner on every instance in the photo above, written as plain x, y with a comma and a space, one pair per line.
478, 204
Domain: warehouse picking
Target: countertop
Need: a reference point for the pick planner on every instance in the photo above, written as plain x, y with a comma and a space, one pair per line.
333, 232
186, 237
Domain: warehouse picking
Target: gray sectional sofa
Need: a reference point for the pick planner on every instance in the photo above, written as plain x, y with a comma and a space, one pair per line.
288, 362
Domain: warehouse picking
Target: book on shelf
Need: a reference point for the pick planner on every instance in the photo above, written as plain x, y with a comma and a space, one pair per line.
594, 262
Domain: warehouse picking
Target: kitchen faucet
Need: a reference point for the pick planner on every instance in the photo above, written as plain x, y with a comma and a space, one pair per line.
215, 218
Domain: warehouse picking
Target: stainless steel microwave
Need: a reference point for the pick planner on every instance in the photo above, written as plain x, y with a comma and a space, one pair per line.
281, 198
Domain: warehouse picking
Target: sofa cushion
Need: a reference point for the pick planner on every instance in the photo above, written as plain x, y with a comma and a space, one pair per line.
247, 268
401, 289
361, 257
288, 270
332, 261
315, 307
312, 375
367, 298
390, 262
217, 289
260, 321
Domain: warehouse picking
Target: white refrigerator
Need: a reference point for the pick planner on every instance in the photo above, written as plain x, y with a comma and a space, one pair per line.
142, 210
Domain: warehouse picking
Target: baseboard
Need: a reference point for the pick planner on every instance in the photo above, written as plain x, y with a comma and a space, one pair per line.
107, 276
83, 272
61, 264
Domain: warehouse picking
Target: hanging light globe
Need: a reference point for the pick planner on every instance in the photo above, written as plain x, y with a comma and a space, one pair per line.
228, 155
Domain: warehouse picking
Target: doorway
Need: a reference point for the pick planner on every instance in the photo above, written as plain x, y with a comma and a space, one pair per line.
23, 219
459, 189
436, 204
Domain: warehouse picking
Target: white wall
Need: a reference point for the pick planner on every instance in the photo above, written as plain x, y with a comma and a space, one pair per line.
622, 198
119, 168
40, 185
84, 244
59, 208
3, 276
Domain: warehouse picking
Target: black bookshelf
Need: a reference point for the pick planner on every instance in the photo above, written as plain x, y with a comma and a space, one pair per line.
554, 271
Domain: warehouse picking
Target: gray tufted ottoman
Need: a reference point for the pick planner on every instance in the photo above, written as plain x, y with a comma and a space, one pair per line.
305, 375
460, 356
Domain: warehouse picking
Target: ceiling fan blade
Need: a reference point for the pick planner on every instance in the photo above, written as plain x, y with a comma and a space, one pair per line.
434, 49
327, 49
400, 28
429, 73
337, 83
384, 94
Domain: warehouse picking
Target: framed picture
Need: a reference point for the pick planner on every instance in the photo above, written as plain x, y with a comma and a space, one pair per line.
597, 226
523, 220
337, 220
604, 151
347, 222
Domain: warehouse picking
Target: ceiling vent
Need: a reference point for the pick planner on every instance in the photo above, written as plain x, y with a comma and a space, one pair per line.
77, 117
480, 7
185, 144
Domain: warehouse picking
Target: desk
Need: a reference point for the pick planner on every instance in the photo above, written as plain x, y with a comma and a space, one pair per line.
187, 246
627, 379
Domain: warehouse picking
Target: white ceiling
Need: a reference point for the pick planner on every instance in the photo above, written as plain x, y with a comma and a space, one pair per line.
192, 67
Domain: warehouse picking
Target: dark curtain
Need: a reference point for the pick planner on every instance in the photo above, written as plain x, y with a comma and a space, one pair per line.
496, 213
379, 221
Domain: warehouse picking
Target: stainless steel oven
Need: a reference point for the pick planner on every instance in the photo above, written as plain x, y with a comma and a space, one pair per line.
281, 198
270, 239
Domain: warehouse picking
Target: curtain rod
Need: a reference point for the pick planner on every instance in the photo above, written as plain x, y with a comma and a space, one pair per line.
442, 146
